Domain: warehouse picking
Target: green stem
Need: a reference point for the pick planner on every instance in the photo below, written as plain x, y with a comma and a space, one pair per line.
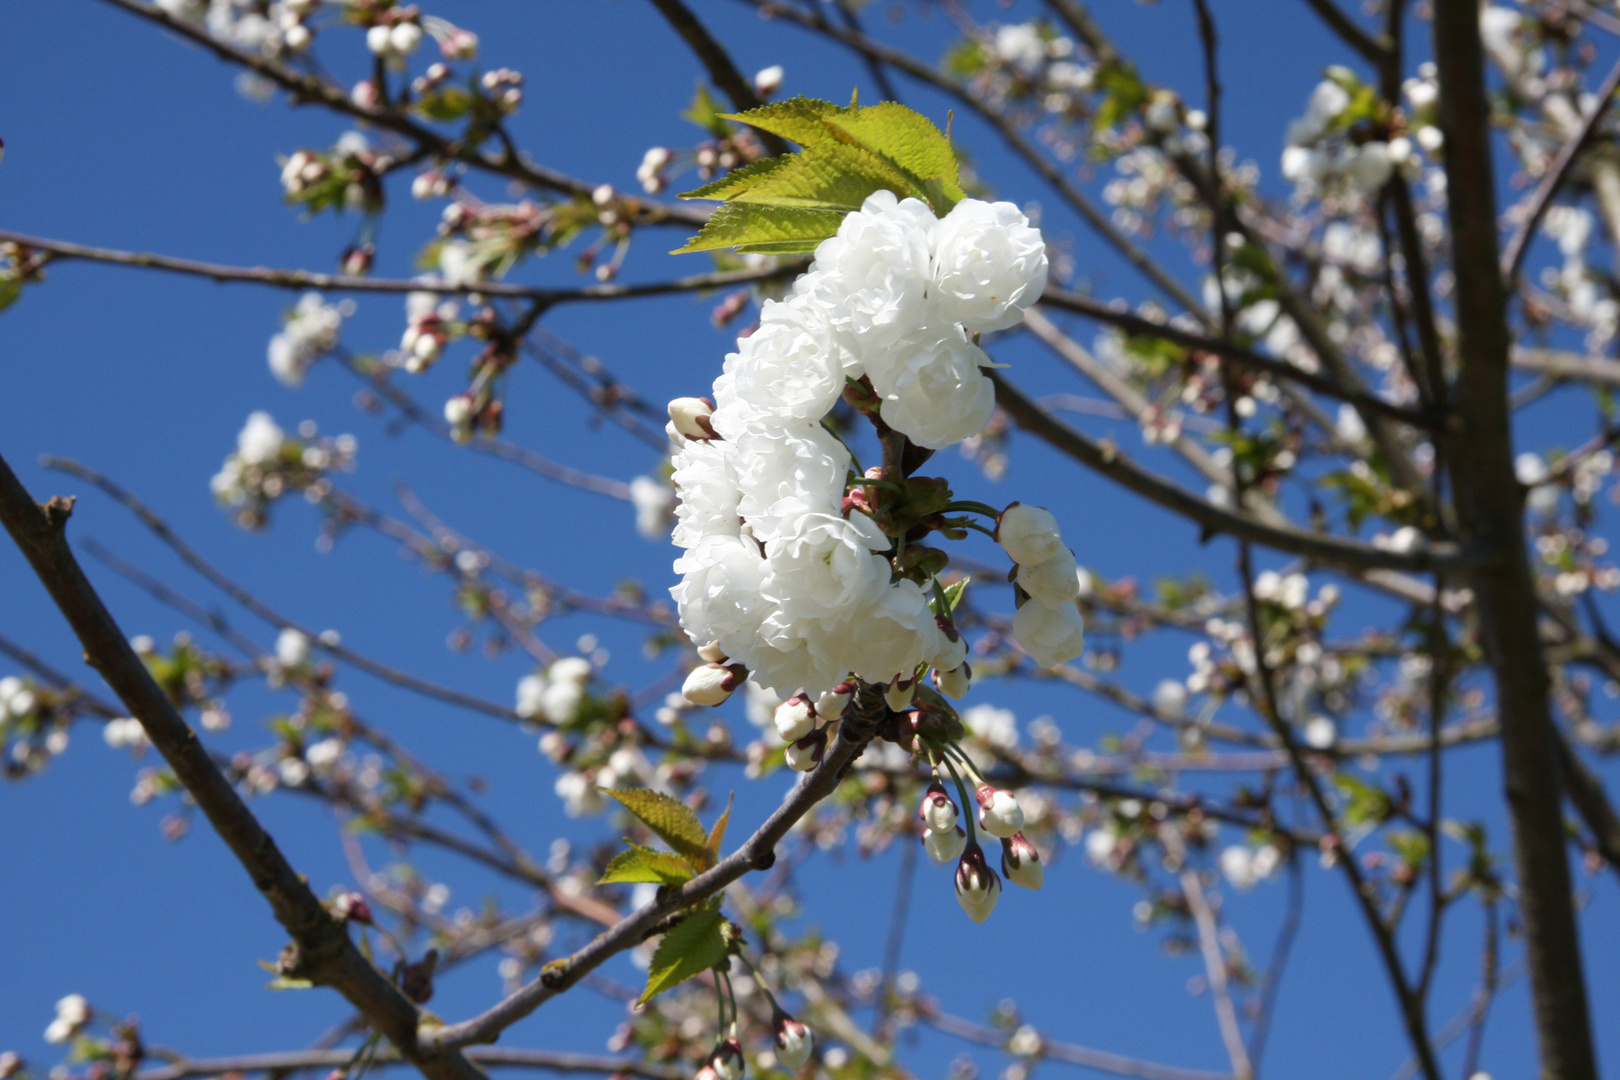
961, 791
759, 977
973, 507
725, 978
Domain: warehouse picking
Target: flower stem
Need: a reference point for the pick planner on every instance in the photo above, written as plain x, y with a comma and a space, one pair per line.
961, 791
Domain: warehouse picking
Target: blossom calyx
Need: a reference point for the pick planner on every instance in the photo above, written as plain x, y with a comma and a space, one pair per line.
794, 1041
937, 811
1021, 862
944, 847
977, 886
690, 416
999, 812
712, 684
795, 718
727, 1060
1028, 533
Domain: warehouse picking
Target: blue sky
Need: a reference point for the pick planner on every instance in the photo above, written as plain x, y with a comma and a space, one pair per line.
120, 136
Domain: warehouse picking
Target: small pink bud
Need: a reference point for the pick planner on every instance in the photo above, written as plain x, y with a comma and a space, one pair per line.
352, 907
712, 684
1021, 862
977, 887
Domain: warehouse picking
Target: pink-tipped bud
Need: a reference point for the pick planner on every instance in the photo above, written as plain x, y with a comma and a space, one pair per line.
712, 684
831, 705
352, 907
955, 682
937, 811
1028, 533
944, 847
999, 812
1021, 862
727, 1060
977, 887
806, 754
794, 1041
690, 415
795, 718
900, 695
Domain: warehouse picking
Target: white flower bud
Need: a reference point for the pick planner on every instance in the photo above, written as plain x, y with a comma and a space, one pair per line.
794, 1041
1021, 862
944, 847
1053, 581
955, 682
292, 648
900, 695
1170, 699
1051, 635
458, 410
377, 40
404, 38
712, 653
977, 887
712, 684
804, 755
727, 1060
297, 37
768, 81
937, 811
999, 812
690, 416
795, 718
831, 705
1028, 533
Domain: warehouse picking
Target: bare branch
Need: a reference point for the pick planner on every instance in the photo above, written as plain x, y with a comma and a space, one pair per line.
719, 65
1374, 50
486, 1056
1084, 1056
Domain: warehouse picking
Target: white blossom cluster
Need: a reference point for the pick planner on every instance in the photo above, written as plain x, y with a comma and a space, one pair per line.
269, 463
1048, 624
1322, 156
309, 331
775, 572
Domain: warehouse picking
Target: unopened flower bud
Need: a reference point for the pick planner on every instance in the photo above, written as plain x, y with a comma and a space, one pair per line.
1021, 862
999, 812
690, 416
900, 695
377, 40
1028, 533
831, 705
795, 718
768, 81
365, 94
794, 1042
806, 754
727, 1060
977, 887
955, 682
712, 684
937, 811
352, 907
944, 847
404, 38
297, 37
458, 411
712, 653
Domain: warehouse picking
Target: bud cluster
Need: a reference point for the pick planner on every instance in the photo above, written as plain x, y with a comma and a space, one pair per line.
1047, 585
269, 463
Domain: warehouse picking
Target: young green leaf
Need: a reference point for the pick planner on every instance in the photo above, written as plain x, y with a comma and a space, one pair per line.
696, 944
669, 819
705, 113
796, 119
830, 176
777, 230
907, 140
717, 835
644, 864
954, 591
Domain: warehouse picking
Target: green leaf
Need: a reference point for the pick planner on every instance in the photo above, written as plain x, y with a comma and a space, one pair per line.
705, 113
954, 591
773, 229
797, 119
668, 818
696, 944
644, 864
717, 835
10, 289
906, 139
446, 103
830, 176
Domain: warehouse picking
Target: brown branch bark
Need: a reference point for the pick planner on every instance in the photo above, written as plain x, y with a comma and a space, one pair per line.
320, 950
1490, 507
718, 63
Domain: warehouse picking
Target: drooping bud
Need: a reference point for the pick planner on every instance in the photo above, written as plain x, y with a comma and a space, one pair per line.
900, 695
806, 754
999, 812
977, 887
690, 415
937, 811
794, 1041
955, 682
712, 684
1028, 533
1021, 862
727, 1060
944, 847
795, 718
831, 705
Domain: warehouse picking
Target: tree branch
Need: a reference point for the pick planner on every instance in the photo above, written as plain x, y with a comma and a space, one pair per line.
720, 67
485, 1056
321, 950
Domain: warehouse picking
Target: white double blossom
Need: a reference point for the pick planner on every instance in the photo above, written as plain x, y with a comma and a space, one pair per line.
778, 572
